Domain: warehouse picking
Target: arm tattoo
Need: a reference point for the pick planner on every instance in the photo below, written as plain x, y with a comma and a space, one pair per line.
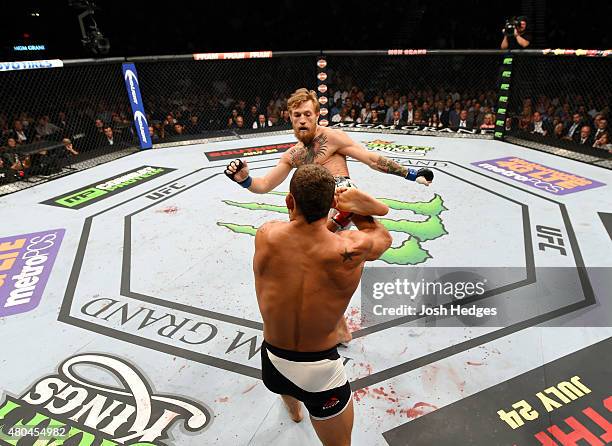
309, 153
386, 165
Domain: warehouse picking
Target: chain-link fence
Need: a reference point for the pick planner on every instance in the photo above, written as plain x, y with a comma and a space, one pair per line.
59, 119
195, 98
562, 101
427, 90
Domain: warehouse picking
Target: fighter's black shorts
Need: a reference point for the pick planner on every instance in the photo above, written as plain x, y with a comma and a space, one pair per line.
317, 379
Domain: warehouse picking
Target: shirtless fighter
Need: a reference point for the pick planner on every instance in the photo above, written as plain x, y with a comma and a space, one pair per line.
329, 148
305, 276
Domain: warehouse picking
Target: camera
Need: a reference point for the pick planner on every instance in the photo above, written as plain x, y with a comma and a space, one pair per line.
511, 24
91, 37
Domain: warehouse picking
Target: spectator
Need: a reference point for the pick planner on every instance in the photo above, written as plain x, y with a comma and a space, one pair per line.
169, 124
508, 125
335, 110
441, 113
159, 130
21, 135
409, 113
381, 109
193, 126
374, 118
261, 122
153, 135
354, 115
68, 148
434, 120
397, 119
573, 131
390, 112
425, 111
178, 129
99, 128
366, 114
341, 116
558, 132
453, 115
238, 123
285, 119
11, 159
603, 142
62, 123
464, 122
537, 125
231, 122
418, 118
45, 129
585, 136
475, 115
109, 139
601, 125
488, 122
251, 117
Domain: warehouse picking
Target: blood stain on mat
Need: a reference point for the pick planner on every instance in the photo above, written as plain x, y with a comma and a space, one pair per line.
353, 319
223, 399
418, 409
359, 394
170, 210
474, 363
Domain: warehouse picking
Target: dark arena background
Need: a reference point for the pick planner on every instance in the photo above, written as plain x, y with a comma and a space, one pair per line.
128, 313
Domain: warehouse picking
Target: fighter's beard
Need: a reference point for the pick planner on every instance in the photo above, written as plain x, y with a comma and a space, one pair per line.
305, 138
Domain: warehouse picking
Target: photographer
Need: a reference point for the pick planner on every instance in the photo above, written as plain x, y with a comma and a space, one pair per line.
516, 35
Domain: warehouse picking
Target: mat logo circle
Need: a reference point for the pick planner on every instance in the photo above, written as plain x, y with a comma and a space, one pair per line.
71, 409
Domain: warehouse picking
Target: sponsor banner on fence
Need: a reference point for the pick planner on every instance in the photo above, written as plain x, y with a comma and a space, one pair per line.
248, 151
130, 75
554, 181
26, 261
235, 55
93, 193
407, 129
31, 65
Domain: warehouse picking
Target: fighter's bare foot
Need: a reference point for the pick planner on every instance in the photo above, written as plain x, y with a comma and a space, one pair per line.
358, 202
294, 407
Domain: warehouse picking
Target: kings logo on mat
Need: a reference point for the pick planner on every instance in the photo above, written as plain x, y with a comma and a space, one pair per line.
409, 236
68, 408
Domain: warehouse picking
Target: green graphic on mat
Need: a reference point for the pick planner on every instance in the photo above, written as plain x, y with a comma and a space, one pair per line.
409, 252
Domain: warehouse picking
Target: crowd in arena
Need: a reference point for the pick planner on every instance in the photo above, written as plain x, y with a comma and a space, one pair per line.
103, 128
572, 119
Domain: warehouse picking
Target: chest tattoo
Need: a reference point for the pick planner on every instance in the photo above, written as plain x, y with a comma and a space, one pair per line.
309, 153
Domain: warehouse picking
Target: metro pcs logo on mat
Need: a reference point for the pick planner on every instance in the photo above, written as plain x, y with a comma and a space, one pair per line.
25, 264
536, 175
93, 193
